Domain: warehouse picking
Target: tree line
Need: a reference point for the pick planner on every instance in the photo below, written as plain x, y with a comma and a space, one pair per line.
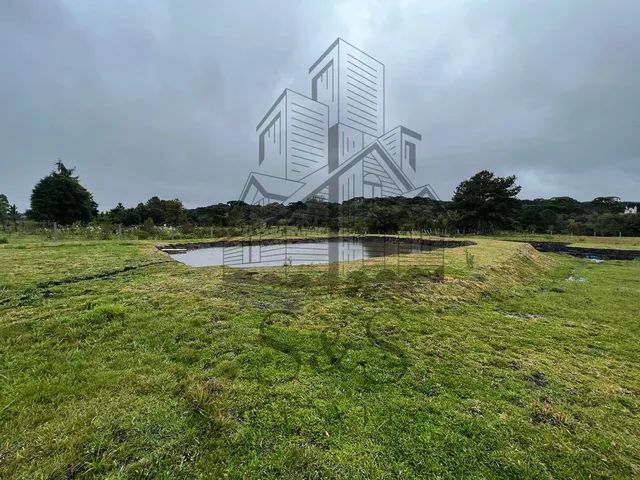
484, 203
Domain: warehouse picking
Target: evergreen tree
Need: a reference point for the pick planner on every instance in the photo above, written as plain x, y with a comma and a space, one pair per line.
59, 197
485, 202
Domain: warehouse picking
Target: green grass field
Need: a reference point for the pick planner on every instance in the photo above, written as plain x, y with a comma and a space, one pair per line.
517, 365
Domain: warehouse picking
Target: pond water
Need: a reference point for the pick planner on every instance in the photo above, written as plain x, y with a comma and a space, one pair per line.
593, 254
300, 253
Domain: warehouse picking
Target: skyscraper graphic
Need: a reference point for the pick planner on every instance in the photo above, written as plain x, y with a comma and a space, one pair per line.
333, 145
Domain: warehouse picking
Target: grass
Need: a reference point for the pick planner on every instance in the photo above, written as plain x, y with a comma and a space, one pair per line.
517, 365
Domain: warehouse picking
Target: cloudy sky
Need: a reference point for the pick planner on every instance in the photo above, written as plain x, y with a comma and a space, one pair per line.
162, 97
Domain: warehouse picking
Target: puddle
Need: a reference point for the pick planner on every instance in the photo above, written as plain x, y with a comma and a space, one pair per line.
301, 252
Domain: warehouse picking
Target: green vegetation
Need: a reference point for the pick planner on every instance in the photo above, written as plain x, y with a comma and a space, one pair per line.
117, 362
482, 204
486, 203
153, 212
59, 197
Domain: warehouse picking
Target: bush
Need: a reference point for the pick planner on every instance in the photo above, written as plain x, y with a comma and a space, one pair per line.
3, 240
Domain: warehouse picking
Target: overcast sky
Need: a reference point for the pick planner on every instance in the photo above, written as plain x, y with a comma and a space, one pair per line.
162, 97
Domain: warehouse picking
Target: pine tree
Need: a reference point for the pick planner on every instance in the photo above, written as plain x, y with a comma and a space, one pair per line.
59, 197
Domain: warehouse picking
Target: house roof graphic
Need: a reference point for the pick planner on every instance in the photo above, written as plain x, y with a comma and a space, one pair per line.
333, 145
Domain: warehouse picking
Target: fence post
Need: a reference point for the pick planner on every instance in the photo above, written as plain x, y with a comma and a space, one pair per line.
398, 251
384, 252
443, 240
55, 230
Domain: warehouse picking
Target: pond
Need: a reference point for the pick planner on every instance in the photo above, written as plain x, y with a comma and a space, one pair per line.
595, 254
304, 252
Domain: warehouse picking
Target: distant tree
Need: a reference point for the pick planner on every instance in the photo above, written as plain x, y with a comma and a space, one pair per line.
564, 205
608, 204
4, 210
609, 224
318, 214
141, 212
531, 218
125, 216
485, 202
175, 213
211, 215
273, 213
59, 197
633, 224
239, 214
117, 214
155, 210
384, 219
131, 217
14, 215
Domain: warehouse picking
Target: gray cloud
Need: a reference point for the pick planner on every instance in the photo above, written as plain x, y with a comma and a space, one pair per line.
162, 98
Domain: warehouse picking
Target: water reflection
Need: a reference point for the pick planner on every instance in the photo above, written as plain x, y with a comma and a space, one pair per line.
261, 254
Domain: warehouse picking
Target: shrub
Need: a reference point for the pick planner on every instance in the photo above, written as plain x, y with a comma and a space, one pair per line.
3, 240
